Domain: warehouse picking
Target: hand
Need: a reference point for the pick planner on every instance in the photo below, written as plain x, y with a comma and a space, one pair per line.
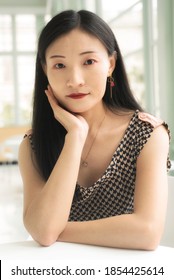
71, 122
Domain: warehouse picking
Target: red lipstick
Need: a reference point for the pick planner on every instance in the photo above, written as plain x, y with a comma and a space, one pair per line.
77, 95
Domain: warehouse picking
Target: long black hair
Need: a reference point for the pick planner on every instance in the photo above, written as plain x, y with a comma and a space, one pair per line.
48, 134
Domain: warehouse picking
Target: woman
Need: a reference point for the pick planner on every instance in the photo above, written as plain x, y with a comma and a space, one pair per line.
93, 165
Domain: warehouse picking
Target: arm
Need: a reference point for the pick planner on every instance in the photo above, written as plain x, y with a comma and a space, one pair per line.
47, 204
143, 228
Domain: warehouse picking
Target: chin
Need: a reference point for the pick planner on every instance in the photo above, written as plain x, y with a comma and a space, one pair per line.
77, 111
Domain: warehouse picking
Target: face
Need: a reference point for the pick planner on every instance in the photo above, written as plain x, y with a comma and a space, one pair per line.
77, 67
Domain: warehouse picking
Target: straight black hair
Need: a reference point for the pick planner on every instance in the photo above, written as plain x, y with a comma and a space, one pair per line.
48, 134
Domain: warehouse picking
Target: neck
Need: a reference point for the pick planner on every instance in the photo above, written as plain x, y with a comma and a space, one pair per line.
95, 120
94, 116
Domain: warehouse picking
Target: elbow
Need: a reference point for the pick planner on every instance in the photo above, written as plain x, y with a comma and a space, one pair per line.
46, 239
44, 236
150, 238
150, 245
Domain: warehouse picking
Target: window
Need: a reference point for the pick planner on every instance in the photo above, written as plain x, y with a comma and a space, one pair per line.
5, 33
136, 25
17, 62
127, 24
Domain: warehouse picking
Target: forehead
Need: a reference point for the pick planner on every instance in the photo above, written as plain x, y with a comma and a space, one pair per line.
76, 40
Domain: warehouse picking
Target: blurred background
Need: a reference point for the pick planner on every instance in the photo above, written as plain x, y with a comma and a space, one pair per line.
145, 33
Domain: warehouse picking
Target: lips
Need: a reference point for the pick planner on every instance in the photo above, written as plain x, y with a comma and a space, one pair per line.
77, 95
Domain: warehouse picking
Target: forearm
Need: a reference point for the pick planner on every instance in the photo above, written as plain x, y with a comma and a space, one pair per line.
124, 231
48, 213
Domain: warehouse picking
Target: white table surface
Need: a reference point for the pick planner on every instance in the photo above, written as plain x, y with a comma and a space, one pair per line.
63, 251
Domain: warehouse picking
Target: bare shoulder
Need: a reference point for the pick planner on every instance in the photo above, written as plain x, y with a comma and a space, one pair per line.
27, 161
25, 147
159, 138
160, 128
31, 178
161, 132
156, 150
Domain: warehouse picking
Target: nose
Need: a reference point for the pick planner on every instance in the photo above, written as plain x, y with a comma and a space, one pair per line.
75, 79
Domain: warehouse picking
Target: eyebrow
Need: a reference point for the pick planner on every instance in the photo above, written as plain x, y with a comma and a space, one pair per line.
87, 52
62, 56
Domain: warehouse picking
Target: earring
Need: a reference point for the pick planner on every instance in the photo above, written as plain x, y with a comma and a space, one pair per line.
111, 83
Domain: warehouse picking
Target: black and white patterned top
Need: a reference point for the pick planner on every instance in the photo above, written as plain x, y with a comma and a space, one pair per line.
113, 193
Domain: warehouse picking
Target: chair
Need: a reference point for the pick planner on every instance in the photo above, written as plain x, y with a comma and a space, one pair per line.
168, 235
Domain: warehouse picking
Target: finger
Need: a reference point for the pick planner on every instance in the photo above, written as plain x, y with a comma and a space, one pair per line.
49, 98
57, 109
50, 91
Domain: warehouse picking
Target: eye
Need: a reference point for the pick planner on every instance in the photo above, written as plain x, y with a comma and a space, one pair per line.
59, 66
89, 62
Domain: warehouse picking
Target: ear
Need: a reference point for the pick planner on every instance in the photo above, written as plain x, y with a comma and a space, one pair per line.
112, 61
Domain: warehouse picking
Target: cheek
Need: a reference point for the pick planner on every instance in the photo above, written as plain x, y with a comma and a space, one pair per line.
101, 73
51, 77
55, 83
98, 82
55, 86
